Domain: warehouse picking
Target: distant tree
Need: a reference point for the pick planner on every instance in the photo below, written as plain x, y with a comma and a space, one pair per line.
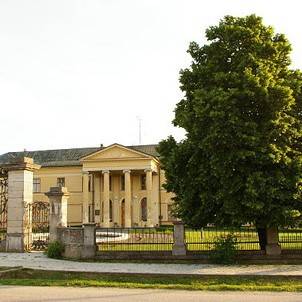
241, 160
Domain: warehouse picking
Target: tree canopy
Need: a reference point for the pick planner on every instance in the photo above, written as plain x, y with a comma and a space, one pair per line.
241, 160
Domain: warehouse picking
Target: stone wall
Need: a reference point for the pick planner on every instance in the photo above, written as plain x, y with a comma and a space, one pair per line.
73, 241
79, 242
2, 245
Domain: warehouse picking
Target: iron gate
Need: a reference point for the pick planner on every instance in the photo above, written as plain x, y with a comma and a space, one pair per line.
37, 218
3, 203
40, 225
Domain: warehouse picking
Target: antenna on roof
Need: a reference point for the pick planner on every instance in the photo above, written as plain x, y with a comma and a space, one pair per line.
139, 129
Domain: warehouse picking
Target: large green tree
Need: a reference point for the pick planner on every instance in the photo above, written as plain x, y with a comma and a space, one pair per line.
242, 111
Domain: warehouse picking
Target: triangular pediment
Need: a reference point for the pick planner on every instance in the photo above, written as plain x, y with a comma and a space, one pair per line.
115, 151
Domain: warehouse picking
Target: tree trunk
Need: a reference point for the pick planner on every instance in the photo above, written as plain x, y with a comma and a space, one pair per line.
262, 237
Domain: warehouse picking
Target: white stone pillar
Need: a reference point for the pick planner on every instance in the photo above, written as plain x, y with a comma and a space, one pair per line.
89, 242
273, 247
136, 211
106, 218
149, 182
97, 198
179, 246
20, 197
116, 188
58, 197
155, 200
85, 197
128, 222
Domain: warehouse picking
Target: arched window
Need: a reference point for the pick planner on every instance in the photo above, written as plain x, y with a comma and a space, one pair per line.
110, 210
123, 213
102, 212
144, 209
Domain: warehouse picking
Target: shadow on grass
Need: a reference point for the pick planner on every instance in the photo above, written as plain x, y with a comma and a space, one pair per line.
30, 277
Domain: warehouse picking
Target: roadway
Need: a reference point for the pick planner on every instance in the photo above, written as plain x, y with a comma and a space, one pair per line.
93, 294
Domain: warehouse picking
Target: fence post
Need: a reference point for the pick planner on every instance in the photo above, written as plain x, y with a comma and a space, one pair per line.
58, 210
273, 247
179, 246
20, 197
89, 246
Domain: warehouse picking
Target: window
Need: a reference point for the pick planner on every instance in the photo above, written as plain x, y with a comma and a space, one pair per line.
90, 213
143, 182
61, 181
122, 182
110, 183
144, 209
37, 185
110, 210
102, 212
90, 183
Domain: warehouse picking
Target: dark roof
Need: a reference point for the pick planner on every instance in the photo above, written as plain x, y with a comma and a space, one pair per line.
67, 157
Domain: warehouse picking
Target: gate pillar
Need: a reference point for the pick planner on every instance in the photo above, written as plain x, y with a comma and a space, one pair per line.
272, 247
58, 197
179, 246
20, 197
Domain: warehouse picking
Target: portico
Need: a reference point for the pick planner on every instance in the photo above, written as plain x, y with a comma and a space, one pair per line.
121, 188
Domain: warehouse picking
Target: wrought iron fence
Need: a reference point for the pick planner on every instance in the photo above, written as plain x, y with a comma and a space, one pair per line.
134, 239
204, 239
290, 239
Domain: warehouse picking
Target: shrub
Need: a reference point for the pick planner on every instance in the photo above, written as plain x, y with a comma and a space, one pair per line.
225, 250
55, 250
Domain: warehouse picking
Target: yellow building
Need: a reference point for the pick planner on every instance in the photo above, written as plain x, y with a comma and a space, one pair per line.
111, 186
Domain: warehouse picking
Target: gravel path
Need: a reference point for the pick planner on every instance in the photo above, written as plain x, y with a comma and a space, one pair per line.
37, 260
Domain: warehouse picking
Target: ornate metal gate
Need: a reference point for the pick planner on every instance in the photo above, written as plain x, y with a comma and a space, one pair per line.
3, 203
36, 225
40, 225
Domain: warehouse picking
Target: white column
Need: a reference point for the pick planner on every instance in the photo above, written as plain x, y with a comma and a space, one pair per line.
115, 188
149, 196
97, 198
128, 221
85, 197
135, 210
155, 200
106, 195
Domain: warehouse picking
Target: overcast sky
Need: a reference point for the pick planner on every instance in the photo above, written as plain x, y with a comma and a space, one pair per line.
79, 73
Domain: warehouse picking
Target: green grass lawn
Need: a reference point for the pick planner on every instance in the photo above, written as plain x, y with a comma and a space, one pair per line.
213, 283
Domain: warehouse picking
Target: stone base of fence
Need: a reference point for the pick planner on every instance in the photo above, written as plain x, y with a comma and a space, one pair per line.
136, 255
243, 257
79, 243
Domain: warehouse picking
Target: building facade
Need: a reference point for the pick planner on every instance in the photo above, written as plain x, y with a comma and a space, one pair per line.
111, 186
